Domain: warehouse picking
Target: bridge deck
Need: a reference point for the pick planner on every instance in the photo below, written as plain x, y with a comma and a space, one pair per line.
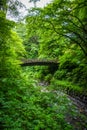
34, 62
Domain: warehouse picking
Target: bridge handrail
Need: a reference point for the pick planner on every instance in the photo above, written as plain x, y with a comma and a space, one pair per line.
27, 62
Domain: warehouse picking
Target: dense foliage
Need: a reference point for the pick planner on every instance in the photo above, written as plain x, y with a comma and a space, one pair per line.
61, 34
56, 32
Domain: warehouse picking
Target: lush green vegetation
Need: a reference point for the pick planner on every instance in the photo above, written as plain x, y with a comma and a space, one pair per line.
61, 34
56, 32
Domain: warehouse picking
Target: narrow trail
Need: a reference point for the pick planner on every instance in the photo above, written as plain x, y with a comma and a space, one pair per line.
79, 122
80, 105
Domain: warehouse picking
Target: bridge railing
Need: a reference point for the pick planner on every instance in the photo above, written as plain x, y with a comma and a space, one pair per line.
31, 62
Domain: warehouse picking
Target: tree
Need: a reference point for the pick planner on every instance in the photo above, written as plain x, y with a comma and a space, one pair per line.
67, 19
34, 1
63, 19
11, 7
11, 51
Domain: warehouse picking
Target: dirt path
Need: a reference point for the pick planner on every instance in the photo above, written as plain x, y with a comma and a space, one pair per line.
80, 105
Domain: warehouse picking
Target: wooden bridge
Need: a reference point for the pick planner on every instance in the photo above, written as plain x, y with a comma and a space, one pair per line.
38, 62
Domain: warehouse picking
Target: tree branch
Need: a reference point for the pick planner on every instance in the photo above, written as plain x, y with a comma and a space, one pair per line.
64, 35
